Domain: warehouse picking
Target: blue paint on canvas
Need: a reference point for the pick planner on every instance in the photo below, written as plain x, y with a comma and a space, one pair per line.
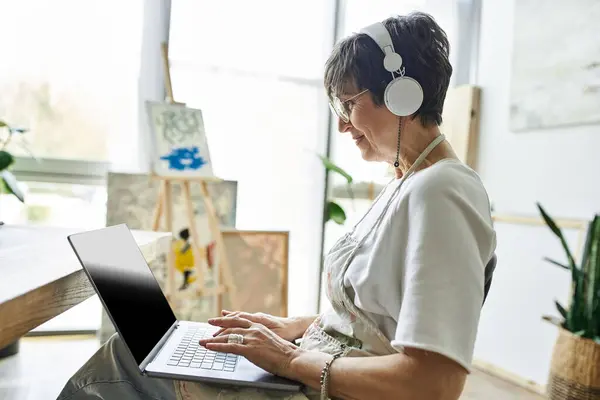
183, 158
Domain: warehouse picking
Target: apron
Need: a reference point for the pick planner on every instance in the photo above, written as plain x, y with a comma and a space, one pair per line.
344, 328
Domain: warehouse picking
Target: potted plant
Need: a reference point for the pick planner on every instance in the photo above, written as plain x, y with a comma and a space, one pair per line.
575, 365
8, 184
333, 211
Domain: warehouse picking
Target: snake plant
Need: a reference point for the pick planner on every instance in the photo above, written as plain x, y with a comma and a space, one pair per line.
582, 316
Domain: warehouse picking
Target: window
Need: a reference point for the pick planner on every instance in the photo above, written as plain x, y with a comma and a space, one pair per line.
69, 74
255, 69
56, 204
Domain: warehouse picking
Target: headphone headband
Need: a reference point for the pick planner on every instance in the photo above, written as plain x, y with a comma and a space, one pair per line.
380, 35
403, 95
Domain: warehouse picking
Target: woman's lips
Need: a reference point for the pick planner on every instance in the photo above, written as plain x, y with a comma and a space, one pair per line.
358, 139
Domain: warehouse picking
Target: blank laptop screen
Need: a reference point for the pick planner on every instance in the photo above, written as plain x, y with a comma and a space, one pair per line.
126, 285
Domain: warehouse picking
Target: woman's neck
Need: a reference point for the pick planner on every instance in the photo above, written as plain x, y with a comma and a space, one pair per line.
411, 147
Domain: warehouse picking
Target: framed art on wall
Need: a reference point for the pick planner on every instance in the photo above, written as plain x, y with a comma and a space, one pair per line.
555, 64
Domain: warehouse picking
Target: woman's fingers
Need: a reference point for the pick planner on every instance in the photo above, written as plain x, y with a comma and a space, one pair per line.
257, 317
228, 331
252, 317
249, 316
219, 332
230, 322
218, 339
220, 344
225, 336
232, 348
226, 313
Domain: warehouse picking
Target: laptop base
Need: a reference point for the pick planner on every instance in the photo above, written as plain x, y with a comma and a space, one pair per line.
242, 374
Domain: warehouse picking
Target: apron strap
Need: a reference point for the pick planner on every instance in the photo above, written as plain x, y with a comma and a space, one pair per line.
410, 171
345, 298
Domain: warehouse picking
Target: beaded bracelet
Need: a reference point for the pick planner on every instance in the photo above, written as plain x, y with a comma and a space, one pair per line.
325, 376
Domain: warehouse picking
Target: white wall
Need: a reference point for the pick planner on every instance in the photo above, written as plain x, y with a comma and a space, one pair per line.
557, 167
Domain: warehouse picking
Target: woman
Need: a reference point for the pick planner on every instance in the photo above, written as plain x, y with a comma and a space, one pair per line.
406, 284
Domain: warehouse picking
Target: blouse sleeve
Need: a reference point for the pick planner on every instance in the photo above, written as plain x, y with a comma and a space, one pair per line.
447, 243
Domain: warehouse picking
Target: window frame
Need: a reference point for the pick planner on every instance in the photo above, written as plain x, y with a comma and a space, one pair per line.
54, 170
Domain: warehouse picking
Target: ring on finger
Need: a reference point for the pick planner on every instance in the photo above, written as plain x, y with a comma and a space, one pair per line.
235, 338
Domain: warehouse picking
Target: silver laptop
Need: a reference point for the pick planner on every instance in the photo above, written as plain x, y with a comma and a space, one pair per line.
162, 346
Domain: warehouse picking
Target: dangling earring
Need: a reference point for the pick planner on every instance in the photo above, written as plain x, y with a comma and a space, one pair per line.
397, 162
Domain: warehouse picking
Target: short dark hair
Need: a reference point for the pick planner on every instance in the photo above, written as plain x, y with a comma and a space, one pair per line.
357, 61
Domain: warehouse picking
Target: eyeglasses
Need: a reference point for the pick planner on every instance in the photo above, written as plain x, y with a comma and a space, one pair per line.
340, 109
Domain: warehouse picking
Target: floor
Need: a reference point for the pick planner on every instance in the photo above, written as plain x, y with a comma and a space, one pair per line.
35, 374
42, 365
482, 386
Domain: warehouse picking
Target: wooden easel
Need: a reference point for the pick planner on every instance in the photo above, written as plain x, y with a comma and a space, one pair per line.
164, 206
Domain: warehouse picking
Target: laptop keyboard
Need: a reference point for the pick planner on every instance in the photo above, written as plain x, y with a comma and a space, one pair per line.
190, 354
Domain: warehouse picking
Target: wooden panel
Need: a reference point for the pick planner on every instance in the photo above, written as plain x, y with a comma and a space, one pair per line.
461, 121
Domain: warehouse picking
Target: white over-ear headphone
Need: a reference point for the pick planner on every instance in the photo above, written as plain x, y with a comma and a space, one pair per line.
403, 95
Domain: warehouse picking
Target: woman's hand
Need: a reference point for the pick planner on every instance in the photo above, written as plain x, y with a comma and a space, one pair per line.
261, 345
287, 328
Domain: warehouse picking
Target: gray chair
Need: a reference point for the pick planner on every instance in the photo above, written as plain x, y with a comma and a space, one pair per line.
489, 272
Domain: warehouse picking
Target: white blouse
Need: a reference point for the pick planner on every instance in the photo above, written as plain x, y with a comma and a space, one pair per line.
420, 275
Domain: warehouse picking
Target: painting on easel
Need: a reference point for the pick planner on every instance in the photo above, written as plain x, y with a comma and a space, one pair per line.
132, 199
179, 144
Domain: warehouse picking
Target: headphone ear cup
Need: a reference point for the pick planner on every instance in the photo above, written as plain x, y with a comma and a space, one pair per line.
403, 96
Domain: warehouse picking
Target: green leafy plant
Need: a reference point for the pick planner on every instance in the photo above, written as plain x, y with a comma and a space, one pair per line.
333, 211
8, 182
582, 316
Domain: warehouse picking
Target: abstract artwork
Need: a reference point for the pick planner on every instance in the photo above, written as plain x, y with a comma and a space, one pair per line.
259, 264
132, 199
179, 144
555, 78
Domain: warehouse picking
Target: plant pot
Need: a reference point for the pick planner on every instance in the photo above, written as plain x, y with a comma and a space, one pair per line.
575, 368
10, 350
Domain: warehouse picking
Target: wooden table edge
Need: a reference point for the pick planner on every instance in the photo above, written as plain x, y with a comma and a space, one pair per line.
48, 301
43, 304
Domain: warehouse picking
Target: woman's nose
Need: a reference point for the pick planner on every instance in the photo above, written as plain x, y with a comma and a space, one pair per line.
343, 126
